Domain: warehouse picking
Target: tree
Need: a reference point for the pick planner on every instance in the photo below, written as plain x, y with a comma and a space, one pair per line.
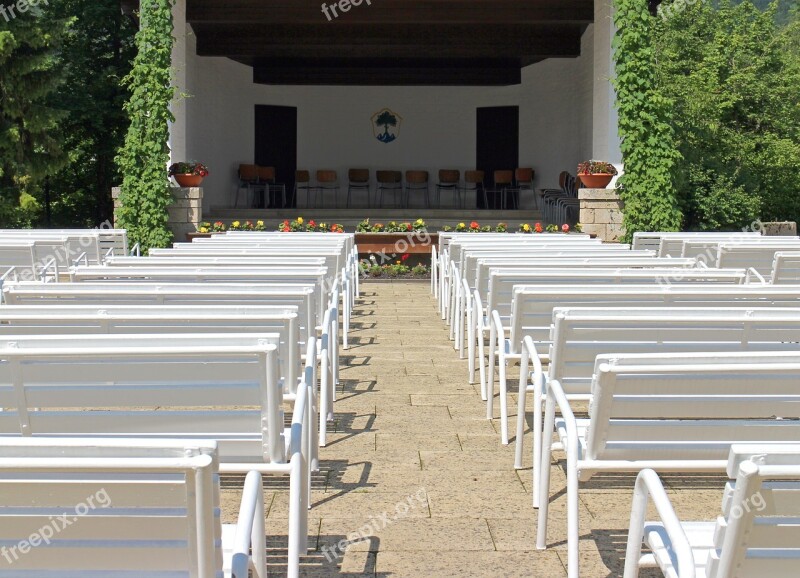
647, 137
733, 73
30, 73
97, 54
143, 159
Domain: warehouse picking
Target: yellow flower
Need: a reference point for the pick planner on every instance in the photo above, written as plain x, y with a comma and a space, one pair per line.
204, 229
399, 262
260, 223
526, 227
462, 225
235, 224
300, 220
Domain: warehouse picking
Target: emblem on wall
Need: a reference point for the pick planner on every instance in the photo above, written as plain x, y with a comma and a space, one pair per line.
386, 125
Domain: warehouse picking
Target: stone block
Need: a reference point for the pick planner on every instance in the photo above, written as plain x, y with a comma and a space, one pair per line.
779, 229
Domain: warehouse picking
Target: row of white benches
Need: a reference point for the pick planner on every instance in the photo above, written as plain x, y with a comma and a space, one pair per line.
43, 255
677, 374
93, 357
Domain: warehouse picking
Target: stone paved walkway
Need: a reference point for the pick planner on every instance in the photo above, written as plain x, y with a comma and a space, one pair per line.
415, 467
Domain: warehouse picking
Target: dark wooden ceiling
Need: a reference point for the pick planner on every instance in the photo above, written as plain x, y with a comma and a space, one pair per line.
390, 42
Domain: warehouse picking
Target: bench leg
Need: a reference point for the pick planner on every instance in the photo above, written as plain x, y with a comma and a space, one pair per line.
544, 478
490, 373
503, 395
482, 364
471, 344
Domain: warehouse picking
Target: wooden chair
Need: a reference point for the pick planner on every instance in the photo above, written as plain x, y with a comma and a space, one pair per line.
327, 181
358, 181
417, 181
523, 180
504, 184
302, 182
449, 180
475, 181
389, 181
266, 177
248, 180
139, 507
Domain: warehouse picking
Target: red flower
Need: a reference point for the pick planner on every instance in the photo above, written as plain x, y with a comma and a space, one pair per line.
565, 228
409, 227
474, 225
405, 257
538, 227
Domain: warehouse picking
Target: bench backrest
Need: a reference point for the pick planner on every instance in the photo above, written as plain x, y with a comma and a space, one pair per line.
91, 507
671, 244
580, 335
20, 256
503, 281
786, 268
138, 386
156, 319
200, 294
316, 277
477, 270
446, 238
532, 306
186, 250
756, 536
456, 250
759, 256
652, 240
692, 407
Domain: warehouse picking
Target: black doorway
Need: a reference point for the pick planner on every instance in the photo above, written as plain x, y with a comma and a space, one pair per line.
276, 144
497, 146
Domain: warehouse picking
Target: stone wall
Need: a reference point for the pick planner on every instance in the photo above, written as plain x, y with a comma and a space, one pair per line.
779, 229
601, 213
185, 213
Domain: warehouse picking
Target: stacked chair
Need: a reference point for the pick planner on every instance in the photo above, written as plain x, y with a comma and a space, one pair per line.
169, 370
687, 348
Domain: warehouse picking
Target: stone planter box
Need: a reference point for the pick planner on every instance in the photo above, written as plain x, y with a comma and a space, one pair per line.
396, 243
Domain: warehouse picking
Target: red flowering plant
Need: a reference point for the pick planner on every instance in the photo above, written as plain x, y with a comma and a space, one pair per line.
218, 227
565, 228
188, 168
538, 228
337, 228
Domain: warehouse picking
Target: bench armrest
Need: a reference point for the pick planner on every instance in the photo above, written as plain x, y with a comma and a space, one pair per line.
250, 531
648, 484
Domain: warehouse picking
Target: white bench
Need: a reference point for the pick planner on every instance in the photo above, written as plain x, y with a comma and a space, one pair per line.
755, 537
653, 240
758, 257
786, 268
668, 412
111, 241
503, 281
57, 318
580, 334
140, 386
136, 507
23, 259
309, 276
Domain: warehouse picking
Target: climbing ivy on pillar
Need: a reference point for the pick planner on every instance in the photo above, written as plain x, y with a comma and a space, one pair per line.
143, 159
647, 139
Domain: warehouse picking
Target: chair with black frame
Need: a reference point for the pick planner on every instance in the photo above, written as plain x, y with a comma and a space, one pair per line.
523, 180
417, 181
504, 184
302, 182
266, 178
248, 179
389, 181
449, 180
327, 180
474, 181
358, 181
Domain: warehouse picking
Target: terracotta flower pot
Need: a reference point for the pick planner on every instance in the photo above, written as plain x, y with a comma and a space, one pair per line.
596, 181
189, 180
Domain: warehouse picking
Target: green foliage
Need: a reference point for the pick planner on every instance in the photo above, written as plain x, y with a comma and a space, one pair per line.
733, 76
30, 73
96, 56
647, 139
144, 157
